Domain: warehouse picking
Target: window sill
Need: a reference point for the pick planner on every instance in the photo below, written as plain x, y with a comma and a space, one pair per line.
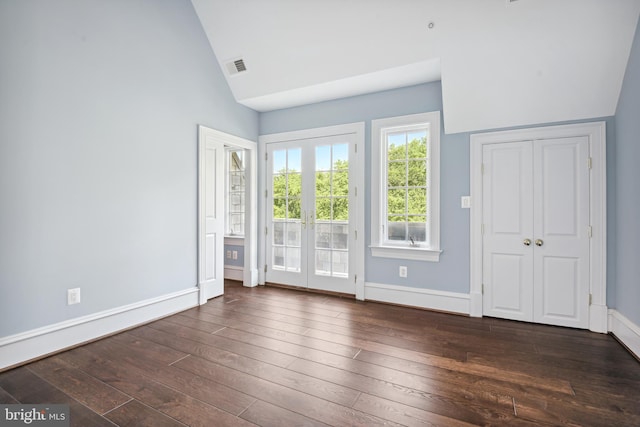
234, 239
419, 254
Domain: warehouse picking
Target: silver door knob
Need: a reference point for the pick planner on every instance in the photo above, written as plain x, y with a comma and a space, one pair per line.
527, 242
539, 242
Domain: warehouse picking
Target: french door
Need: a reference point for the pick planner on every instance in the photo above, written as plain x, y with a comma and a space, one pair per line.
310, 233
536, 231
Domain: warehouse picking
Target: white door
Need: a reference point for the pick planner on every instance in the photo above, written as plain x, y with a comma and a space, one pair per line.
211, 215
310, 206
508, 220
536, 231
561, 232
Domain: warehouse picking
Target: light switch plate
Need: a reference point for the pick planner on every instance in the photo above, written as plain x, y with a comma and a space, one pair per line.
465, 202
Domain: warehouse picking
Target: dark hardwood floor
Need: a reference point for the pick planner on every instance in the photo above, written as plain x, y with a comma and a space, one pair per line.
275, 357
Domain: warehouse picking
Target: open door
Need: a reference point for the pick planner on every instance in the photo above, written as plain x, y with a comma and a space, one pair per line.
211, 215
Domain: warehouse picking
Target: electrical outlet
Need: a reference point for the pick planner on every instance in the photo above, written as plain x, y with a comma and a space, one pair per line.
403, 271
235, 254
73, 296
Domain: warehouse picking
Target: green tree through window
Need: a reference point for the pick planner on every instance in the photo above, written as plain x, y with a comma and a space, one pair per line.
407, 186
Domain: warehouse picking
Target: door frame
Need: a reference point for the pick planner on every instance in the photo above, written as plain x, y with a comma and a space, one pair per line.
358, 187
596, 132
250, 270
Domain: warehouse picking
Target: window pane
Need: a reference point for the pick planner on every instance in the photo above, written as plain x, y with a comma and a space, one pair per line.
341, 156
294, 160
279, 208
323, 158
279, 161
396, 230
396, 201
323, 262
418, 230
293, 259
417, 201
323, 235
279, 186
293, 209
323, 209
340, 264
396, 146
293, 234
340, 236
417, 173
323, 183
417, 145
340, 183
278, 233
397, 174
278, 257
294, 187
340, 208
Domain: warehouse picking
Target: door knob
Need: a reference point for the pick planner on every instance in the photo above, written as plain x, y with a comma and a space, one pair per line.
527, 242
539, 242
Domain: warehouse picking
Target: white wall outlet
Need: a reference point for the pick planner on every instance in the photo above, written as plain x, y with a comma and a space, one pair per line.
465, 202
235, 255
228, 254
73, 296
403, 271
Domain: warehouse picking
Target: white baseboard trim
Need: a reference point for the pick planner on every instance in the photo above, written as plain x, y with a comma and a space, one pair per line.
625, 330
20, 348
415, 297
232, 272
598, 318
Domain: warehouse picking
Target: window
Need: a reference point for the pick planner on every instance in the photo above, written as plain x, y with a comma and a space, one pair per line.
405, 211
235, 192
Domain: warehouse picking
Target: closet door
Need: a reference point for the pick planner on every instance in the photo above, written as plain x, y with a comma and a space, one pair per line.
535, 209
561, 228
507, 183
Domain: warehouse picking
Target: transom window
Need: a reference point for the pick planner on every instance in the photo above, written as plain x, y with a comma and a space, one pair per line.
405, 193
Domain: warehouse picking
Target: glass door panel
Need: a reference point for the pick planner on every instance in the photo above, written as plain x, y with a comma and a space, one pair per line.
310, 205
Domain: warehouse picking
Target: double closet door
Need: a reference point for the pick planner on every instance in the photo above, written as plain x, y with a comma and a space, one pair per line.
536, 231
310, 202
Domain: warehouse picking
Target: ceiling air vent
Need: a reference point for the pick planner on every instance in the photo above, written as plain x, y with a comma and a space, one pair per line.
237, 66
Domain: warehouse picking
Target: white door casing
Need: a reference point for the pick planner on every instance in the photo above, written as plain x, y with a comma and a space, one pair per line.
559, 225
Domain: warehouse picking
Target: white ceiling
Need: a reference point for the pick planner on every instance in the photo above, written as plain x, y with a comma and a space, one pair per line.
502, 63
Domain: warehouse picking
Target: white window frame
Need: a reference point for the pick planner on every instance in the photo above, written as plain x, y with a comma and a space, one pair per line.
429, 251
227, 192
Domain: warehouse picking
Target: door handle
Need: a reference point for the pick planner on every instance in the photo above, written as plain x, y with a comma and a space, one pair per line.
527, 242
539, 242
312, 219
304, 219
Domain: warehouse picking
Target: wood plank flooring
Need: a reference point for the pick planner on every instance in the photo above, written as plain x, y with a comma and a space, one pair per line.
277, 357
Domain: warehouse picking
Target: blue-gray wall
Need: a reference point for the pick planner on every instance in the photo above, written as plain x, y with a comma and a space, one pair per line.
627, 180
99, 107
239, 261
452, 272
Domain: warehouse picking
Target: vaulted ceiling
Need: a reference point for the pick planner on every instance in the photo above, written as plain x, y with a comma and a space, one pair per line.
502, 63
